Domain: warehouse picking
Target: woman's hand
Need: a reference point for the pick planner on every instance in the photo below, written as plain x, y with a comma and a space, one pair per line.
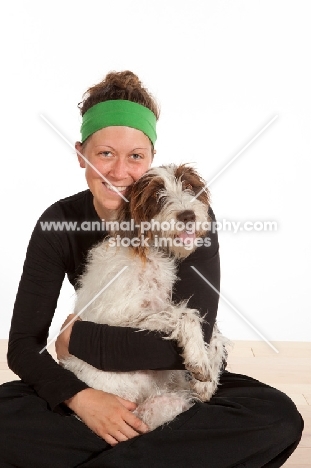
108, 415
62, 342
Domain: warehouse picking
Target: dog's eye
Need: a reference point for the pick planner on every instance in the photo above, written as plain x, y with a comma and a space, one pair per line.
187, 186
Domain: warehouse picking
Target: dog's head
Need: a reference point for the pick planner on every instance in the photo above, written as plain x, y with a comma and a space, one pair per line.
168, 207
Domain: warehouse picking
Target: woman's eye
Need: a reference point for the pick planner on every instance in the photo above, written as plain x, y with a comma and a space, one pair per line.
136, 156
105, 153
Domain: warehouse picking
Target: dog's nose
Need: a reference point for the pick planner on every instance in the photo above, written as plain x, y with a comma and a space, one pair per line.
186, 216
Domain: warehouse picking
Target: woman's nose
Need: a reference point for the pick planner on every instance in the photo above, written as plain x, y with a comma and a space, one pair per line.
119, 169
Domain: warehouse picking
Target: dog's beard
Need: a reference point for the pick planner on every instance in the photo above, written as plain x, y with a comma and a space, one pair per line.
179, 244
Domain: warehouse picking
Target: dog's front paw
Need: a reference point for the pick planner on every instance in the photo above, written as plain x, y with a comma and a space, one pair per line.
160, 409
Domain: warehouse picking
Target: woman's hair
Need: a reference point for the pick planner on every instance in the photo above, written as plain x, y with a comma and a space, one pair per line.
119, 85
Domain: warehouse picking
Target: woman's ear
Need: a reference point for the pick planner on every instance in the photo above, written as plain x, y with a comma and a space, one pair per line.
81, 159
153, 152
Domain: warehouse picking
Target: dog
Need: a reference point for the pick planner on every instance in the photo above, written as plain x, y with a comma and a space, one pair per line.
162, 224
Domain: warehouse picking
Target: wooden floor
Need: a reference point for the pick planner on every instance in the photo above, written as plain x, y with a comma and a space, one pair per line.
288, 370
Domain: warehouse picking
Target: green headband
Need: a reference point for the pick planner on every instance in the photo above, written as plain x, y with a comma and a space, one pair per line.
119, 113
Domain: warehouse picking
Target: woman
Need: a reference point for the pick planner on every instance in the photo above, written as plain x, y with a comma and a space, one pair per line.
245, 424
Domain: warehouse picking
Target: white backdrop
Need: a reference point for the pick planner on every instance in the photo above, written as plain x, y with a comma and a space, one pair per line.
221, 71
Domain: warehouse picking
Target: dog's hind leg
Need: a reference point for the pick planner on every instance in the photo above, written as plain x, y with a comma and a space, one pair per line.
160, 409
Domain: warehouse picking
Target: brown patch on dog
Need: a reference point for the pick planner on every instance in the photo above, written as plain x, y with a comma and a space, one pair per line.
143, 205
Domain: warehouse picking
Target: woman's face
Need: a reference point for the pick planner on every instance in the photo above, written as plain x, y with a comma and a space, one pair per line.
121, 155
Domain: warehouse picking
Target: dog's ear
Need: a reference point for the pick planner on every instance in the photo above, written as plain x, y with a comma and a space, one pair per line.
192, 181
124, 211
144, 199
144, 205
141, 206
124, 217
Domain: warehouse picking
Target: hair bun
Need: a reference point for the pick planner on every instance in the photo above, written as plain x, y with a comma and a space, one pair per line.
123, 80
119, 85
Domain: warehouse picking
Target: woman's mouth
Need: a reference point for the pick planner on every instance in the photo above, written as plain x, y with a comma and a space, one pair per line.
115, 188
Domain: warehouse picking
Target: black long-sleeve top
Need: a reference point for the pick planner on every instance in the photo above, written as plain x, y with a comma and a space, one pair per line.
54, 253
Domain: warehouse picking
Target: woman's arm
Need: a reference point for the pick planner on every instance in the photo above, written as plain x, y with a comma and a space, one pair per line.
35, 304
125, 349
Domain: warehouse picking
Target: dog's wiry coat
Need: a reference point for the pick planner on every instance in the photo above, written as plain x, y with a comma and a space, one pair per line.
141, 298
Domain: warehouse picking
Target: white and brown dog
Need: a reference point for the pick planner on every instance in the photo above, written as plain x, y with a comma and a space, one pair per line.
162, 222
